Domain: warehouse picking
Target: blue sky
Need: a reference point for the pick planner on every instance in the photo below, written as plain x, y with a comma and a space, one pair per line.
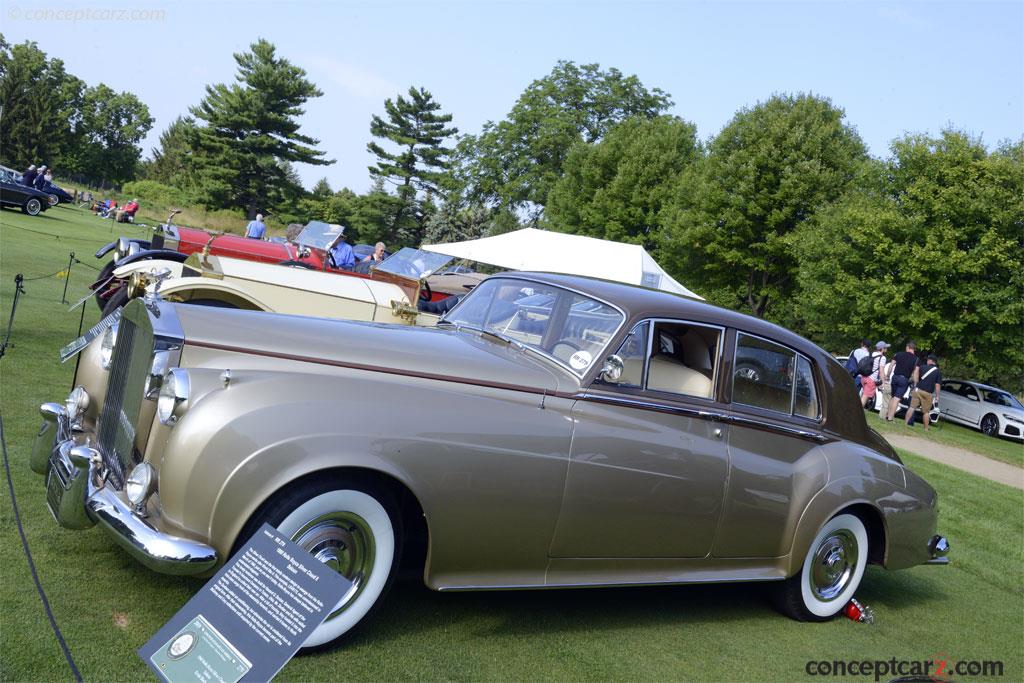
893, 66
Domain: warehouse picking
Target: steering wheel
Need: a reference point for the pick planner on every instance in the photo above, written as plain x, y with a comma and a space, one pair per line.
426, 294
561, 345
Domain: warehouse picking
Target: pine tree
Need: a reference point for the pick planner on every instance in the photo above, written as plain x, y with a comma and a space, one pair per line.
251, 128
421, 164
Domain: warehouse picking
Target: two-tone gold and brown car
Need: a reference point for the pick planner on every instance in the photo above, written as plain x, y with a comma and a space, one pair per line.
551, 431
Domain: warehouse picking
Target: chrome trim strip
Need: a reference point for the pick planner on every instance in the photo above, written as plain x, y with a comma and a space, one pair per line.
659, 407
773, 427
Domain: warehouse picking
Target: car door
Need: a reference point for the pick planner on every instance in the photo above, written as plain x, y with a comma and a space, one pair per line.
953, 401
972, 407
10, 191
648, 462
775, 430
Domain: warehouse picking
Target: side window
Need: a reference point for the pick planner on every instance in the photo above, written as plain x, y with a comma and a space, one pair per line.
969, 391
767, 375
763, 374
805, 401
683, 359
633, 353
953, 388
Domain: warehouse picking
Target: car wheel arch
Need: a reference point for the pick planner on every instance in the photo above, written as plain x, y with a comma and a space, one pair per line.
827, 504
184, 291
226, 524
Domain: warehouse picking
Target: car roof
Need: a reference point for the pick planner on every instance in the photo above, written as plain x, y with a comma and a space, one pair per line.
978, 384
643, 302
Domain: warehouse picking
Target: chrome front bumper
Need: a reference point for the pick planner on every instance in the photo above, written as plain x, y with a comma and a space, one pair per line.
78, 498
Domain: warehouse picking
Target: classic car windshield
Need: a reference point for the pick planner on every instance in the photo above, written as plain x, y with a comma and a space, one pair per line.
413, 263
318, 235
570, 327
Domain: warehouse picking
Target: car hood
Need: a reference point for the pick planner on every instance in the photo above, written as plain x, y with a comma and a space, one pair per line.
441, 353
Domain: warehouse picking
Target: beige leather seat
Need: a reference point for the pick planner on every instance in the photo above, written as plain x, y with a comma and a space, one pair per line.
666, 374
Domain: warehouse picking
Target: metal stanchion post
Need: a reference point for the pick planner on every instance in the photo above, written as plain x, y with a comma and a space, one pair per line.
67, 278
18, 291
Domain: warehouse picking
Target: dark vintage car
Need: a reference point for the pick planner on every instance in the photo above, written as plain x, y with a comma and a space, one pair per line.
13, 193
551, 431
58, 195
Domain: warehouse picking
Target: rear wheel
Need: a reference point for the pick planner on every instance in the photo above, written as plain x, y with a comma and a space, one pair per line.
351, 526
32, 206
990, 425
831, 572
116, 300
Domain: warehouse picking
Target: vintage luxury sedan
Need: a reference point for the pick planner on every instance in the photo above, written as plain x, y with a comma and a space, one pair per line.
550, 431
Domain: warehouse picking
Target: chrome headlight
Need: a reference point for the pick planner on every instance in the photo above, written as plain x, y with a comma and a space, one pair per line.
161, 359
140, 484
107, 346
123, 244
173, 400
1013, 418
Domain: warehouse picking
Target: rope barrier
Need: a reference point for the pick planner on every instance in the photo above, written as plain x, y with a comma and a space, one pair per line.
32, 564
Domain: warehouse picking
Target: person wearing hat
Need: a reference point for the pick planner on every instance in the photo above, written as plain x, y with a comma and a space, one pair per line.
869, 383
256, 229
342, 255
29, 176
929, 384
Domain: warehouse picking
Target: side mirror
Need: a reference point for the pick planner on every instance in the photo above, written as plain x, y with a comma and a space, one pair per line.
612, 369
972, 397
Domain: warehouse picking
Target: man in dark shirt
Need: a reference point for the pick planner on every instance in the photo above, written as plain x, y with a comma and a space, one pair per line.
29, 176
929, 384
906, 362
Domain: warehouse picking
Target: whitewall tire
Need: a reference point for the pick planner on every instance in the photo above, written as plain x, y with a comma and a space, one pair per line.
351, 527
831, 572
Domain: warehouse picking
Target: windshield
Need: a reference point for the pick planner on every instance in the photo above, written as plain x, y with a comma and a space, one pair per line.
1001, 398
318, 235
413, 263
569, 327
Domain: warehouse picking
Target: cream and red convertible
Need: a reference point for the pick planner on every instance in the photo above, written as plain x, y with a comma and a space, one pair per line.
551, 431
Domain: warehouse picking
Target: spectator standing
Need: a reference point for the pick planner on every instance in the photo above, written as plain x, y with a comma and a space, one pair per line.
885, 388
40, 182
256, 229
926, 393
29, 176
905, 363
854, 358
342, 255
869, 383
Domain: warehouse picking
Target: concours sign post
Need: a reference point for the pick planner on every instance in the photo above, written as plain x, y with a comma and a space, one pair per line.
250, 618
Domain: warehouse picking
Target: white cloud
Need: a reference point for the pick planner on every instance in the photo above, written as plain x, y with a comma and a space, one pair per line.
358, 82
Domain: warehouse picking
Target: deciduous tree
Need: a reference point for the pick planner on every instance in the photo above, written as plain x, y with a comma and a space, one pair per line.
514, 163
615, 188
766, 173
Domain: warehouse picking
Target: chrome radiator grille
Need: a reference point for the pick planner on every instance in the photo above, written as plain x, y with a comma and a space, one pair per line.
129, 367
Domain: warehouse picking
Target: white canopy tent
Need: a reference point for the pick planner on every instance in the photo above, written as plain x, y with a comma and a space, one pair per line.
558, 252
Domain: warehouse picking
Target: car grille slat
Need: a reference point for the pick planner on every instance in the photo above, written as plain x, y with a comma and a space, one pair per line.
119, 419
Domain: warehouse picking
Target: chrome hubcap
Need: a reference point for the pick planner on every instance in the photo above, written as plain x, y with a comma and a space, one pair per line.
833, 565
344, 542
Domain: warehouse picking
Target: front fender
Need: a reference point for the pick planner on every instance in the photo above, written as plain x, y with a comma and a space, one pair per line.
185, 289
237, 446
152, 255
127, 269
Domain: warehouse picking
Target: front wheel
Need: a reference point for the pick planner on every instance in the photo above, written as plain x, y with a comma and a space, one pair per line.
351, 526
990, 425
32, 207
831, 572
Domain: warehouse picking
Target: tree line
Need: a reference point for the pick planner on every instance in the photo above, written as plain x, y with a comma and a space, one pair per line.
783, 214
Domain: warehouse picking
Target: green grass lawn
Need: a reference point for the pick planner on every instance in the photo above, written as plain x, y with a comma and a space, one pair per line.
108, 605
957, 436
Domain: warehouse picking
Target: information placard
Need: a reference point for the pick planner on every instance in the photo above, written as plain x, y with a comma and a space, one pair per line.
250, 618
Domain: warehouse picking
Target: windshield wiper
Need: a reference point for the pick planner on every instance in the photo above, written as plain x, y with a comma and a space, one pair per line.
496, 336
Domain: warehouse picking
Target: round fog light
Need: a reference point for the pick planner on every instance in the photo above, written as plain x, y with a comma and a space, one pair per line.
140, 484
